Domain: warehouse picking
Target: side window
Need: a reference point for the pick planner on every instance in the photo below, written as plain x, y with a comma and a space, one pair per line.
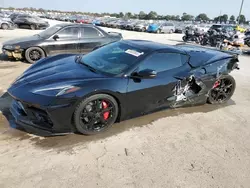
69, 32
90, 32
163, 61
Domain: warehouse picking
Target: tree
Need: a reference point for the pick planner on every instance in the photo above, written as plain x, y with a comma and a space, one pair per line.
202, 17
187, 17
152, 15
142, 15
121, 15
128, 15
242, 19
221, 19
177, 18
232, 18
224, 18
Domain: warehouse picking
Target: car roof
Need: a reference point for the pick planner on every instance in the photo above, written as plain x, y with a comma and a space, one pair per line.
152, 46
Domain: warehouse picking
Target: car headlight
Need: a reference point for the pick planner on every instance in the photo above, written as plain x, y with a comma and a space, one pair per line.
11, 47
56, 91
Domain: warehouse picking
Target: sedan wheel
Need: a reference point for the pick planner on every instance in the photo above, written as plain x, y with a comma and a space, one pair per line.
34, 54
222, 90
95, 114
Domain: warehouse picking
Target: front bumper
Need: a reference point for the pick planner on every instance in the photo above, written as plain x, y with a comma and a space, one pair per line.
36, 121
17, 54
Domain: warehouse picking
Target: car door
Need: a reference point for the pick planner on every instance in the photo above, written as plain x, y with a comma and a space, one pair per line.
144, 95
90, 37
65, 41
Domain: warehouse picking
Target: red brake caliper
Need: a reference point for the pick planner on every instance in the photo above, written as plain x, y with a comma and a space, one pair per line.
216, 84
105, 114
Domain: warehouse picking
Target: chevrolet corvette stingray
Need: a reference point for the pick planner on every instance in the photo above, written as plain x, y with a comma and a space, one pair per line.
88, 93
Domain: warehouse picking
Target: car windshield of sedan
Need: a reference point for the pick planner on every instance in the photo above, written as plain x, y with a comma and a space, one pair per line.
113, 59
50, 31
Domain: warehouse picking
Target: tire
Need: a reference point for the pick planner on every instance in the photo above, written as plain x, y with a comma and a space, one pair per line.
4, 26
32, 27
35, 50
78, 116
248, 43
158, 31
171, 31
184, 38
232, 82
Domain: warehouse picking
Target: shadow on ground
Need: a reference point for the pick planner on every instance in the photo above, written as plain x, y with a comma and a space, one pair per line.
67, 142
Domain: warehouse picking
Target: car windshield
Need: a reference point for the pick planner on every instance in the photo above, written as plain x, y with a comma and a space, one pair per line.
50, 31
113, 59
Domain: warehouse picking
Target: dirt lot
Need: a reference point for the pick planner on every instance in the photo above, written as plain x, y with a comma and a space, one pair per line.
206, 146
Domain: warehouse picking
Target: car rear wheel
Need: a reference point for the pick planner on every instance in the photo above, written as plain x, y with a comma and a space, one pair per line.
158, 31
222, 90
95, 114
4, 26
34, 54
171, 31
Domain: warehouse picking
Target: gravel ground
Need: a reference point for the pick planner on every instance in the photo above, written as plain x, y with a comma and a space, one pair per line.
204, 146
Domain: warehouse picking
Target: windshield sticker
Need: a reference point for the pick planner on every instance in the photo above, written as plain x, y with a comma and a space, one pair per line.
134, 53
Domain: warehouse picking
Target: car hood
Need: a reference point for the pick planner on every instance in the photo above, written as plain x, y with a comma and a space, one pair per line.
22, 40
54, 71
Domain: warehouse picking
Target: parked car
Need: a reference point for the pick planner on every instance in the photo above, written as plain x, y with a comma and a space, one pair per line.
179, 28
16, 15
6, 23
59, 39
88, 93
167, 27
154, 28
203, 28
141, 26
30, 22
131, 25
221, 27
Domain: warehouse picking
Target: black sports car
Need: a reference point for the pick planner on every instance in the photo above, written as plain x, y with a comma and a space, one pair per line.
125, 79
59, 39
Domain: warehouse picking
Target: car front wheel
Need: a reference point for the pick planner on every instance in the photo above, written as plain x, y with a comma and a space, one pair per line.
34, 54
95, 114
5, 26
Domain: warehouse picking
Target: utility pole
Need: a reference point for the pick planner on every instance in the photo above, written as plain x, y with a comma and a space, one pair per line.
220, 17
242, 2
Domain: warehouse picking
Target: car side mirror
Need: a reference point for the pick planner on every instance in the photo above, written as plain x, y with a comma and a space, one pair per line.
146, 74
55, 37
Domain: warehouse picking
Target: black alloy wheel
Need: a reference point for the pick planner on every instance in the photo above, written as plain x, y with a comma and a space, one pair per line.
222, 90
95, 114
34, 54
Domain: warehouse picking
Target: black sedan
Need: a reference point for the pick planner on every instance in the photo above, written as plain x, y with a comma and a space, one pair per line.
59, 39
30, 22
125, 79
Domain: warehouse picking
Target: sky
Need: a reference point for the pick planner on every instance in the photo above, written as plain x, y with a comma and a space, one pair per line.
166, 7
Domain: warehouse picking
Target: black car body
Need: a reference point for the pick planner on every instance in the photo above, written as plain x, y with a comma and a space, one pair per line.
60, 39
136, 74
30, 22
